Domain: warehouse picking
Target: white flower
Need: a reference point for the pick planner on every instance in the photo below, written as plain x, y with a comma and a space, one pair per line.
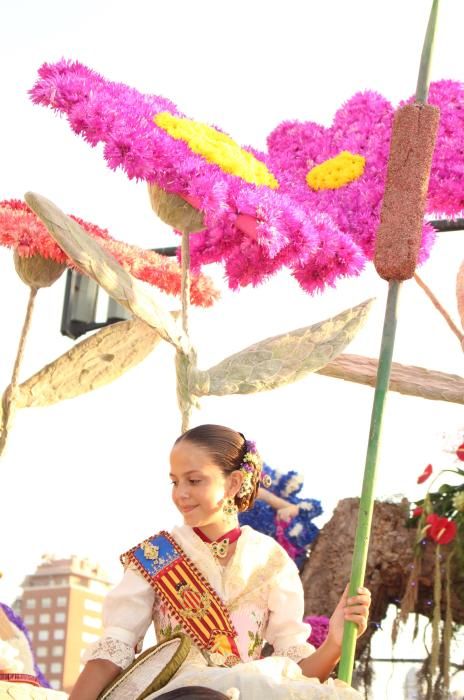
8, 661
292, 484
306, 505
296, 529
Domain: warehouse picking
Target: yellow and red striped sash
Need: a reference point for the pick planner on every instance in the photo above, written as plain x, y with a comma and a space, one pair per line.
187, 593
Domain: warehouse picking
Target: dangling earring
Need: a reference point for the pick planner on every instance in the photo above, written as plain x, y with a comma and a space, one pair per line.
229, 509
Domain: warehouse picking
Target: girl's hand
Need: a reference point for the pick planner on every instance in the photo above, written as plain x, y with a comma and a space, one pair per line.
353, 608
288, 512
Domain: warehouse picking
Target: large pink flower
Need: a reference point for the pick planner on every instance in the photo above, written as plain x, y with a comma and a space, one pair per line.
23, 231
253, 229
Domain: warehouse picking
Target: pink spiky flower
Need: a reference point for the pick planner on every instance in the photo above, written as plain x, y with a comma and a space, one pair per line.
23, 231
256, 229
282, 232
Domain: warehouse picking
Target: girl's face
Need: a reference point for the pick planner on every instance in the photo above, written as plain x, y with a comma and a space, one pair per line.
199, 486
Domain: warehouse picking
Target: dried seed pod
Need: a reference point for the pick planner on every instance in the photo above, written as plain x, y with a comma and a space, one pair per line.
399, 235
37, 271
175, 211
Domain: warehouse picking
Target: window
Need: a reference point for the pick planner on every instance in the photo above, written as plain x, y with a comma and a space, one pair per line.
88, 637
29, 619
44, 618
92, 621
61, 601
98, 587
46, 602
41, 652
42, 667
56, 667
57, 650
58, 634
30, 603
42, 635
31, 636
92, 605
60, 617
54, 683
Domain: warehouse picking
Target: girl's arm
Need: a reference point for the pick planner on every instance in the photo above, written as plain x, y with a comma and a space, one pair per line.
321, 663
289, 510
95, 676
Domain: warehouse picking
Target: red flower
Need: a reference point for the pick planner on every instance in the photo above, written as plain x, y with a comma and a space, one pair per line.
417, 512
460, 452
23, 231
425, 474
441, 530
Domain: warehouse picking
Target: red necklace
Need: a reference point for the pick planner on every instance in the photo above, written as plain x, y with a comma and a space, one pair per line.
219, 546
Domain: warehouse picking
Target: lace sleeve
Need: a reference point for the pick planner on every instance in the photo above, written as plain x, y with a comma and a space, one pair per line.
110, 649
295, 652
286, 630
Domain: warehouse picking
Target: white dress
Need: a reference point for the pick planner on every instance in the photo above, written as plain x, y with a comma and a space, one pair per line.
262, 590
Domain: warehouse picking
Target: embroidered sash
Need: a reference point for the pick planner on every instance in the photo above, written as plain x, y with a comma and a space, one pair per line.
187, 593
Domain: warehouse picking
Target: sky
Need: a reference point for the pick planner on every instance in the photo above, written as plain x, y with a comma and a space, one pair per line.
89, 476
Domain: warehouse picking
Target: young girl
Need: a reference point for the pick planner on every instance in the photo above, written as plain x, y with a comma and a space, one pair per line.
228, 588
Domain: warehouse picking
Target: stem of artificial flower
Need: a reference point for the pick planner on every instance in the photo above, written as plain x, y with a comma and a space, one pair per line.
184, 355
440, 308
423, 80
9, 395
185, 282
366, 504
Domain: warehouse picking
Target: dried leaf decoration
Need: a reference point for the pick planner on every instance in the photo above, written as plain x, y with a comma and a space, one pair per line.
90, 364
282, 359
90, 257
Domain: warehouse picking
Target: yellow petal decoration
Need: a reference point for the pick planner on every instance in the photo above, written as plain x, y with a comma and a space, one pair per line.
336, 172
217, 148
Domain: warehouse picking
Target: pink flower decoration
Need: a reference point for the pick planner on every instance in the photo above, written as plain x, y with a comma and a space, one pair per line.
23, 231
319, 235
319, 629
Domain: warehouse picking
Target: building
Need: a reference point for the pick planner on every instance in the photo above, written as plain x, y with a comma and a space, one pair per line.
62, 606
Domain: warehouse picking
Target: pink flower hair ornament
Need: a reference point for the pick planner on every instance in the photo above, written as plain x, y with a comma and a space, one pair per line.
22, 230
311, 204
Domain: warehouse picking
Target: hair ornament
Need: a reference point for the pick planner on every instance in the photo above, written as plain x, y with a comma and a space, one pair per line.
251, 467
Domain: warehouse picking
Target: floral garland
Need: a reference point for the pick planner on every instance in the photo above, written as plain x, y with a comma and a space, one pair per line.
439, 518
440, 515
23, 231
253, 226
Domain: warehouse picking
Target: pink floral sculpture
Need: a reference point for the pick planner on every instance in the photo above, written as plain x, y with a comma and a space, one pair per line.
257, 226
23, 231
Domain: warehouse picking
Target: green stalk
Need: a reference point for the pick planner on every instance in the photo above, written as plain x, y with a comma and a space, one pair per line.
366, 505
423, 80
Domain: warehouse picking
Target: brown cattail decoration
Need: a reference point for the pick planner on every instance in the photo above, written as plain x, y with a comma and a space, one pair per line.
401, 220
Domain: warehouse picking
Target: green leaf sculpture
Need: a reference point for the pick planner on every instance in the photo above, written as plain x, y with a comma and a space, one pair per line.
263, 366
92, 363
90, 257
283, 359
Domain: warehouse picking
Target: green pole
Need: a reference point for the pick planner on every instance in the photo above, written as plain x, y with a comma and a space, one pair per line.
366, 505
